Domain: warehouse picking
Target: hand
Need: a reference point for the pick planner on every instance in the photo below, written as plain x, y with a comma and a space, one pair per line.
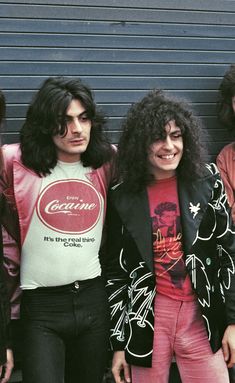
228, 345
8, 367
120, 367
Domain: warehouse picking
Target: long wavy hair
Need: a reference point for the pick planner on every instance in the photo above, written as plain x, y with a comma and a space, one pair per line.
46, 117
226, 114
144, 124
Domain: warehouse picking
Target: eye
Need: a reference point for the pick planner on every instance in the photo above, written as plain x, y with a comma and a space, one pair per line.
84, 118
157, 139
68, 119
176, 135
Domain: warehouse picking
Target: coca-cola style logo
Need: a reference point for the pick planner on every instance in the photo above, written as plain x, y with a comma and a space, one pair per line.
69, 206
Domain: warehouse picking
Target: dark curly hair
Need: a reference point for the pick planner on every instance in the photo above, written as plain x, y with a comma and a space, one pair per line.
144, 124
226, 114
46, 117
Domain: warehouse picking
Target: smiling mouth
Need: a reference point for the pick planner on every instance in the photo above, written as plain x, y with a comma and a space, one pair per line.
167, 156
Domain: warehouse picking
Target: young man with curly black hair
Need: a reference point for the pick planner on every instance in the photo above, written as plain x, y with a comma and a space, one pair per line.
56, 180
171, 293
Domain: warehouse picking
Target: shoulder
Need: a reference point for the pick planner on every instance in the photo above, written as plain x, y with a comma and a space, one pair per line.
11, 152
213, 180
117, 188
107, 170
203, 183
120, 194
227, 151
211, 170
114, 148
211, 174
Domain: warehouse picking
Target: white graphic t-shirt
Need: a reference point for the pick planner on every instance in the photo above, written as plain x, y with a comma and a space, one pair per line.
64, 235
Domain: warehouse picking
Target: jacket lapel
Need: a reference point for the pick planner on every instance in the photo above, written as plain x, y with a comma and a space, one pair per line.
193, 199
27, 186
134, 212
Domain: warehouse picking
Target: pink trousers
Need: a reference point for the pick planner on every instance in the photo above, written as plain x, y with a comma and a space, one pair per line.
180, 333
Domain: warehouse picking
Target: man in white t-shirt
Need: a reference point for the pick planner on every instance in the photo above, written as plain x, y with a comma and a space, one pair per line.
56, 181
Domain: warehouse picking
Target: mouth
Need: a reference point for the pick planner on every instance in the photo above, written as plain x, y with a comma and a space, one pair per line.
167, 156
77, 141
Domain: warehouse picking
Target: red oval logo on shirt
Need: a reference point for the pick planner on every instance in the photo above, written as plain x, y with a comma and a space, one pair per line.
69, 206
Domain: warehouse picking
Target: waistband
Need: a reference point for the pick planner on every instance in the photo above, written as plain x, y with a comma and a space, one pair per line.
74, 286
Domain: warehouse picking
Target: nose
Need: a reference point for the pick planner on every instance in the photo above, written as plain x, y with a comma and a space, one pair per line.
76, 126
168, 143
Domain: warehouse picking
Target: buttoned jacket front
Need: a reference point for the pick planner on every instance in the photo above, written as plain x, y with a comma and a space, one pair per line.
209, 250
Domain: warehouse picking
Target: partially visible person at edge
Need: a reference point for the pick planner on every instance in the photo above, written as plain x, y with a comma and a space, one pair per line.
226, 115
171, 292
226, 158
6, 355
56, 180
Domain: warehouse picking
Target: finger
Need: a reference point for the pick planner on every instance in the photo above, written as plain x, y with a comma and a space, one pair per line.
231, 361
226, 353
116, 375
7, 375
127, 373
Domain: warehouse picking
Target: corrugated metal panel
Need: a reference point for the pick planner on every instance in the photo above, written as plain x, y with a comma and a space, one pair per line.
121, 49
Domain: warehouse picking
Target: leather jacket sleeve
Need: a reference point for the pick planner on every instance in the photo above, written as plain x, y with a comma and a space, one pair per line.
117, 278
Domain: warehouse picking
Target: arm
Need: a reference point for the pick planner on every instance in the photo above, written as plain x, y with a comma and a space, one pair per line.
10, 230
117, 285
225, 165
225, 232
6, 363
6, 369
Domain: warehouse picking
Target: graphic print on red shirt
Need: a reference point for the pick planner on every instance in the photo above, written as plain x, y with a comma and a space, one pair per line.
171, 274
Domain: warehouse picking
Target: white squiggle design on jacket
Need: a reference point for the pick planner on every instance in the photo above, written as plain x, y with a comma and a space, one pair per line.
230, 269
196, 263
137, 293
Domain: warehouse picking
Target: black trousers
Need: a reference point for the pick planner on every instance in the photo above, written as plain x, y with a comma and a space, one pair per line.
65, 333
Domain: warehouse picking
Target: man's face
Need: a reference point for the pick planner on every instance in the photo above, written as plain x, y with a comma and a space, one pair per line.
233, 104
70, 146
168, 217
165, 154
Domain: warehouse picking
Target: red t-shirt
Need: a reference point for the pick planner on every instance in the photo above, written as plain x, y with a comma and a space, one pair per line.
172, 278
